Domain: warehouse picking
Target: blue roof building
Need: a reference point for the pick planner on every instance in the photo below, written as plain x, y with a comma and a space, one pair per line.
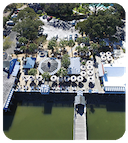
29, 63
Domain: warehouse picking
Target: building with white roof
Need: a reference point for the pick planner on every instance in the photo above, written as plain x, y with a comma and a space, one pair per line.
114, 76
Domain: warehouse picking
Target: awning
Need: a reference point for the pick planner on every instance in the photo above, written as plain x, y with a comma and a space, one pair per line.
15, 70
114, 89
101, 70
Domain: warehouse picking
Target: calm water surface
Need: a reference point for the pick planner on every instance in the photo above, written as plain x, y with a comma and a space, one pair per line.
54, 121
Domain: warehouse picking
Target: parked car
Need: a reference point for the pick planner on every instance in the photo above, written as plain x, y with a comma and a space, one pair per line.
76, 36
10, 23
45, 34
18, 51
49, 18
70, 37
18, 45
18, 36
66, 37
7, 31
56, 36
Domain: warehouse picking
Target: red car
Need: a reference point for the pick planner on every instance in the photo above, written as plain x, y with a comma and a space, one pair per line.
49, 18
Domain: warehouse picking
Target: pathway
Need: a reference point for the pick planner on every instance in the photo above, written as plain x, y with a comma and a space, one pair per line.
80, 126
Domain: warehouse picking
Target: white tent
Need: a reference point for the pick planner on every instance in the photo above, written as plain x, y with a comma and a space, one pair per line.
83, 73
90, 72
80, 78
53, 78
108, 53
89, 67
73, 78
89, 62
83, 67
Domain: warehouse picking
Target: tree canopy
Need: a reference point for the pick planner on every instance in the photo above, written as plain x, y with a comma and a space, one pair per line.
101, 26
65, 61
59, 8
27, 25
62, 72
32, 72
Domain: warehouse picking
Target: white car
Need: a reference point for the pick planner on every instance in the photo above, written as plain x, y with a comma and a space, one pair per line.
66, 37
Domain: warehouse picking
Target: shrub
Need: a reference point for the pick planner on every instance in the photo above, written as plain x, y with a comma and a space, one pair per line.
32, 72
39, 11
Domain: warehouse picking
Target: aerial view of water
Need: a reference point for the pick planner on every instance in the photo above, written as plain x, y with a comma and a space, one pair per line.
53, 120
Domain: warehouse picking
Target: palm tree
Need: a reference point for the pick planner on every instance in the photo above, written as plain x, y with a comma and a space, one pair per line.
63, 44
52, 44
24, 48
79, 49
62, 72
71, 43
85, 49
46, 75
65, 61
94, 47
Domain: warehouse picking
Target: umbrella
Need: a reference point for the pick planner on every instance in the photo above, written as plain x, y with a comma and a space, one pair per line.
80, 78
83, 73
53, 78
90, 72
39, 78
109, 58
103, 58
81, 53
89, 67
102, 54
82, 45
66, 78
60, 79
75, 53
73, 78
108, 53
91, 79
89, 62
31, 78
83, 67
88, 53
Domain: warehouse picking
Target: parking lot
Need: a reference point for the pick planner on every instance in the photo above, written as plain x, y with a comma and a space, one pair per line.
58, 27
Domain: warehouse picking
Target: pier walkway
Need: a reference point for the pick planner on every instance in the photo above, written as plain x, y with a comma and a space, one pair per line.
79, 127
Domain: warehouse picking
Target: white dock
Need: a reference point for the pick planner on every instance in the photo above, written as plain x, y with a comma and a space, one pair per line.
79, 127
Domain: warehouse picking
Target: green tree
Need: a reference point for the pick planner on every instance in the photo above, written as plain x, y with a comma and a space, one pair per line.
79, 49
101, 26
52, 44
28, 28
65, 61
23, 40
7, 43
24, 48
32, 47
63, 44
5, 19
26, 13
32, 72
79, 40
62, 72
46, 75
41, 39
39, 11
94, 47
71, 43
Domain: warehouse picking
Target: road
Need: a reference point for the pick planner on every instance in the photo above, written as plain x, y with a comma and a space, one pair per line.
12, 36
